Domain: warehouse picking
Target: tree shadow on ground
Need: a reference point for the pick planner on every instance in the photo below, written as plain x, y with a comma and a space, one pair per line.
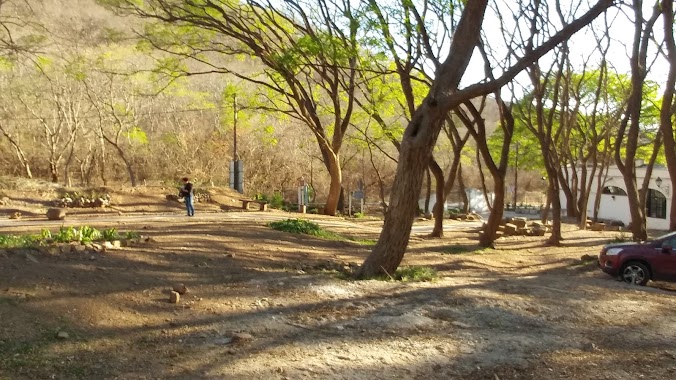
481, 325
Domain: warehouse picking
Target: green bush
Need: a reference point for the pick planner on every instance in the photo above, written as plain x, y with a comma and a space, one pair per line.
83, 235
19, 241
110, 234
358, 215
298, 226
274, 201
129, 235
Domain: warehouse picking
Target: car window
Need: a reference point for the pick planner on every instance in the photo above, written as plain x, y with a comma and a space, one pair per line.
670, 243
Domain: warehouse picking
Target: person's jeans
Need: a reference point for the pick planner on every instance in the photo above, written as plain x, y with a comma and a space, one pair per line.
189, 205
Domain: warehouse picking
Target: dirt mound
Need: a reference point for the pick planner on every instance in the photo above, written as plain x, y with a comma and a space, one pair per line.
32, 198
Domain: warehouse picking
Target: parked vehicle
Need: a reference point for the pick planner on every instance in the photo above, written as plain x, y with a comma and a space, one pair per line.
637, 263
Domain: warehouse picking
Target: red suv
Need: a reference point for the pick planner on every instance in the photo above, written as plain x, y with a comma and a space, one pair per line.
637, 263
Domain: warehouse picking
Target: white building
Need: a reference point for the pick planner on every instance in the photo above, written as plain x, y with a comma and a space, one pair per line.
477, 201
615, 204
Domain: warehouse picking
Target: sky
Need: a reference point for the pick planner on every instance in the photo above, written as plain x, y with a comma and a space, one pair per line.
584, 43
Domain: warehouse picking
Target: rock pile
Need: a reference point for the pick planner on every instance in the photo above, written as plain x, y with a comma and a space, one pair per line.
83, 202
523, 227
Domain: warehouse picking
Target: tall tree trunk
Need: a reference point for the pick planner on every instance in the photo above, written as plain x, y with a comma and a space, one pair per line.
463, 191
548, 206
428, 192
669, 107
438, 210
488, 235
128, 165
332, 163
555, 238
629, 128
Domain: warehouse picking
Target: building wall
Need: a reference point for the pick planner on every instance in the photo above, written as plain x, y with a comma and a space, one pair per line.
616, 207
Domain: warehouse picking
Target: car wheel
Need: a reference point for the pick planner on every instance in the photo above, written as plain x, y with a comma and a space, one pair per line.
635, 273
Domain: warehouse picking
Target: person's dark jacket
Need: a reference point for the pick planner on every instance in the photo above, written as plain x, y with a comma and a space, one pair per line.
186, 190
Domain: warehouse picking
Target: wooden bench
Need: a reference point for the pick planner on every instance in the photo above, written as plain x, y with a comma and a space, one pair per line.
262, 205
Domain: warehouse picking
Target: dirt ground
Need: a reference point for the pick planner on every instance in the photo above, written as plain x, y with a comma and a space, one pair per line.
263, 304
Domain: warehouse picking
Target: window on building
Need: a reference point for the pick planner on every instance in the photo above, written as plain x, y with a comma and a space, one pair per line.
614, 190
656, 205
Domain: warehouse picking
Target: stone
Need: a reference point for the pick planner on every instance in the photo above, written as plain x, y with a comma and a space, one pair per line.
79, 248
523, 231
62, 335
180, 288
539, 231
598, 226
519, 222
16, 215
241, 337
174, 297
510, 229
116, 243
56, 213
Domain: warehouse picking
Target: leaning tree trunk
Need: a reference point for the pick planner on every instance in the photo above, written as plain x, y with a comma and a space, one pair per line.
550, 167
417, 144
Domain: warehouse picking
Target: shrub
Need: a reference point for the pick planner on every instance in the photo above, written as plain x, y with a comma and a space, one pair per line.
110, 234
297, 226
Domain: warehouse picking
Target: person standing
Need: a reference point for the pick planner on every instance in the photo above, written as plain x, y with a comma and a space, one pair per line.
188, 195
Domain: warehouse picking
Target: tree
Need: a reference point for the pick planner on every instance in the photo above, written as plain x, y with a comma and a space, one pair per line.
423, 129
668, 109
627, 137
309, 51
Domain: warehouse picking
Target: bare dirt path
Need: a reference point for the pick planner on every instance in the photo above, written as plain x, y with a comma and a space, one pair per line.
263, 304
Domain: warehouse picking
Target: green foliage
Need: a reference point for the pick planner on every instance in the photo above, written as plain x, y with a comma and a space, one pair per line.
298, 226
130, 235
19, 241
83, 235
304, 226
65, 235
358, 215
276, 200
110, 234
87, 234
136, 134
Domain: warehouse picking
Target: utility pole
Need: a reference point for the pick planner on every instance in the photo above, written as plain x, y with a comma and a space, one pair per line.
236, 167
235, 157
